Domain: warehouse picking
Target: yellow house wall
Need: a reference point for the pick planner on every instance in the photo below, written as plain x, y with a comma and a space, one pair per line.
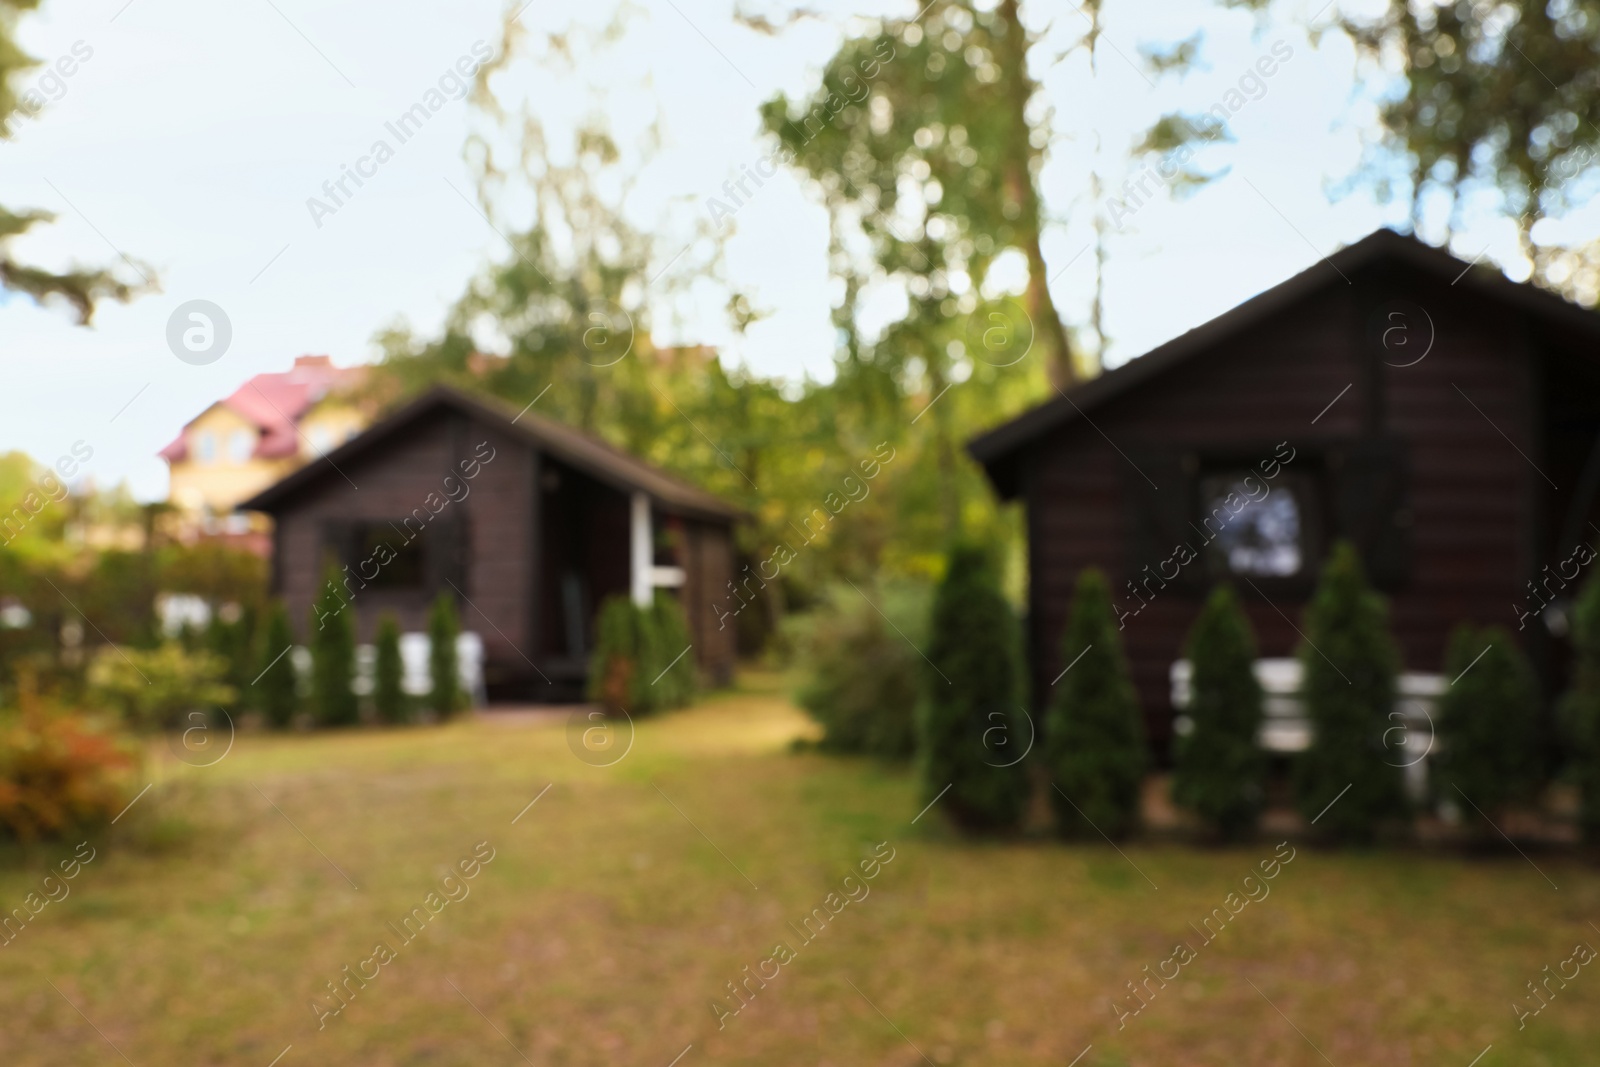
222, 483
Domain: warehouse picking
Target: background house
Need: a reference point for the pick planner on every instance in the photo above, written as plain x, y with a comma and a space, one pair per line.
1443, 418
267, 427
528, 523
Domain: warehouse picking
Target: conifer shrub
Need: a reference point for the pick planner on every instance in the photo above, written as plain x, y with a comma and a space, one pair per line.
388, 673
675, 667
333, 659
862, 671
972, 687
444, 669
1349, 663
276, 686
1093, 732
1581, 707
1220, 768
632, 668
1488, 737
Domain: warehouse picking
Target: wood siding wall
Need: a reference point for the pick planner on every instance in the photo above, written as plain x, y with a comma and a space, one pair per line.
1472, 506
393, 482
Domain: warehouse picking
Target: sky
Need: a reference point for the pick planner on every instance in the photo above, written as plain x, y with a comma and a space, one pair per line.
191, 139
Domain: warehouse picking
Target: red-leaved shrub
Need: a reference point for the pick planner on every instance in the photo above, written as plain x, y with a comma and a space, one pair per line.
58, 773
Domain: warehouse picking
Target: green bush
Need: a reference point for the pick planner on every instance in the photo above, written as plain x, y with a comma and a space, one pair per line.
388, 673
1220, 769
333, 660
676, 673
277, 689
1094, 735
153, 688
445, 698
633, 649
1350, 663
971, 689
862, 670
1488, 738
1581, 706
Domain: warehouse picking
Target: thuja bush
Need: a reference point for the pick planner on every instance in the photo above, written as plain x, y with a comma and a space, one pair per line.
1581, 707
674, 668
1488, 730
444, 669
276, 686
1349, 662
333, 660
633, 666
972, 689
1220, 769
388, 673
1094, 737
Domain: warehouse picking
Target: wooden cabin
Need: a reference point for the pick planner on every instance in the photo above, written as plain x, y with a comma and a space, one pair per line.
1443, 418
529, 524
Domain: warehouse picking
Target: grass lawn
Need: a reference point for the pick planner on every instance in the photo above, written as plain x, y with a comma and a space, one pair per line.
617, 908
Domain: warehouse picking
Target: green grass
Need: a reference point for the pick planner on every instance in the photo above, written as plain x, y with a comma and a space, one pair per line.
606, 924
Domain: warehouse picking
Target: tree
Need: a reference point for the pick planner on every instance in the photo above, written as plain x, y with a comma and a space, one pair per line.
80, 287
1488, 729
333, 659
277, 687
444, 670
388, 670
1349, 663
972, 699
1581, 706
1094, 736
1220, 771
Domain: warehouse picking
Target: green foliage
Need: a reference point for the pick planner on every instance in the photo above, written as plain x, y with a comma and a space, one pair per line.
1220, 771
444, 671
629, 669
1094, 734
1581, 706
970, 721
1488, 740
233, 641
862, 676
676, 679
79, 288
333, 659
276, 686
152, 689
388, 673
60, 773
1350, 663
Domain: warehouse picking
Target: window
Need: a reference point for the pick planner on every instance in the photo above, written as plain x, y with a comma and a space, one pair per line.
379, 556
205, 447
241, 443
1254, 527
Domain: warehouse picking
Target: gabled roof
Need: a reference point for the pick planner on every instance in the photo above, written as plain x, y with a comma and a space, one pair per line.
594, 457
274, 404
998, 449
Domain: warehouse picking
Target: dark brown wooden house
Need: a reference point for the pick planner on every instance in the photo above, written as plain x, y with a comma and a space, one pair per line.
1444, 418
529, 524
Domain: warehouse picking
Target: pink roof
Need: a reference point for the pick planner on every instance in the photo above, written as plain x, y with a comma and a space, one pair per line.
274, 404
